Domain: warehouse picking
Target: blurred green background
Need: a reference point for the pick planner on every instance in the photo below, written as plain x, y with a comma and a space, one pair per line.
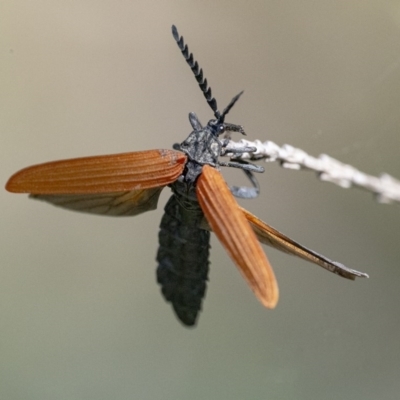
81, 316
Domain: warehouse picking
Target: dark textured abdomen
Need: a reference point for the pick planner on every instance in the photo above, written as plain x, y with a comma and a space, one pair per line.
183, 257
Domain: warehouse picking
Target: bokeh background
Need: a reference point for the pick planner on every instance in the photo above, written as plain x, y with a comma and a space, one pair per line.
81, 316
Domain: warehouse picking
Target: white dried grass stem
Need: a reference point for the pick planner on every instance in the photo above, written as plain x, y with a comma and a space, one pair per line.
386, 188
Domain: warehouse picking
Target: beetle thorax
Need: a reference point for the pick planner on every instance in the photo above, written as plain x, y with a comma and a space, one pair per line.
202, 147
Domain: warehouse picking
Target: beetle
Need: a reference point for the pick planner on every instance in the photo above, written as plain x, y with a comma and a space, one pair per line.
130, 183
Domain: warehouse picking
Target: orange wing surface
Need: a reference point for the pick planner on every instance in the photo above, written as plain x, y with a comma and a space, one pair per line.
101, 174
270, 236
233, 230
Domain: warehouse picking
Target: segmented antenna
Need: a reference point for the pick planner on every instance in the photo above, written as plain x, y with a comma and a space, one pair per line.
198, 73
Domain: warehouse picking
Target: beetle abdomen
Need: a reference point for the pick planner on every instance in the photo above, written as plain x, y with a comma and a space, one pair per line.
183, 257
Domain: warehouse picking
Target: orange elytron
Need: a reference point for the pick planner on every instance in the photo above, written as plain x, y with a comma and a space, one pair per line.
130, 184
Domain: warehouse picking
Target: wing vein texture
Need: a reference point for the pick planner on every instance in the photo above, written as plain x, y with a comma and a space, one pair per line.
233, 230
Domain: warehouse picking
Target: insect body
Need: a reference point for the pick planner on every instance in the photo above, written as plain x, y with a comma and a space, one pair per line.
183, 253
130, 184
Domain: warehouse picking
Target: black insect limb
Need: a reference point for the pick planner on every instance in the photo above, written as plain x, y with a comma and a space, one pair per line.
245, 167
197, 71
245, 192
195, 122
236, 151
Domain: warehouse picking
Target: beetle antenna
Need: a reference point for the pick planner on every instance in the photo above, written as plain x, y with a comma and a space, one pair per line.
229, 106
198, 73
